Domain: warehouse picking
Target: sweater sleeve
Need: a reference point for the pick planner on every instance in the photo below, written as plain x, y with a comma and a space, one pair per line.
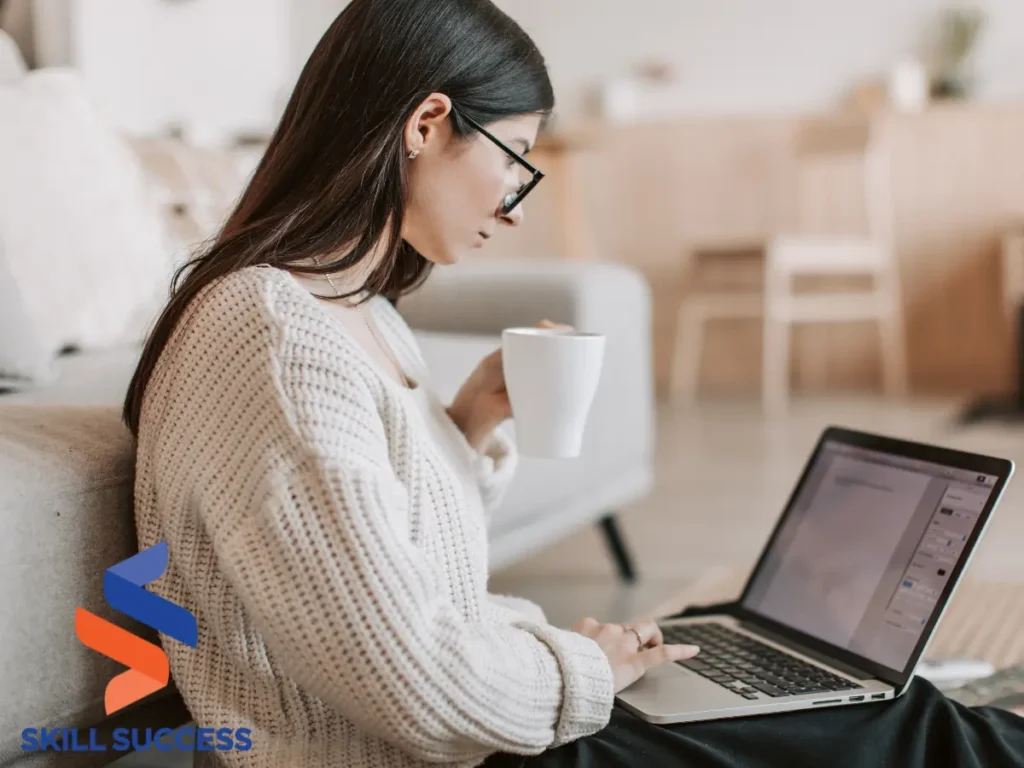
495, 466
358, 616
511, 608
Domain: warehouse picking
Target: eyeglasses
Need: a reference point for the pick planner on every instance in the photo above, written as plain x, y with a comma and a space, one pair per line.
512, 200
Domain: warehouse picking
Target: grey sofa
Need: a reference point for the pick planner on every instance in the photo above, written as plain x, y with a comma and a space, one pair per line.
66, 470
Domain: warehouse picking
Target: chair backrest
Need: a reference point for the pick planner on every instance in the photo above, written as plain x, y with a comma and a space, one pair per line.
842, 179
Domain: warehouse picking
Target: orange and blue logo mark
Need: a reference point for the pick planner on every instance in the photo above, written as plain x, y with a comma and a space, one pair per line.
148, 669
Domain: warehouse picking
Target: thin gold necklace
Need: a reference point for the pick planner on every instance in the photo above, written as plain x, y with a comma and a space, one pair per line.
372, 328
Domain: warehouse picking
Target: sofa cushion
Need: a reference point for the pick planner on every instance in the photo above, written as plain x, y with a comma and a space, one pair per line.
83, 378
24, 359
65, 502
12, 65
84, 240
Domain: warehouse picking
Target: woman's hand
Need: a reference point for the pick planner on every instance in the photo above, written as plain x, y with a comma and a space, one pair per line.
628, 662
482, 402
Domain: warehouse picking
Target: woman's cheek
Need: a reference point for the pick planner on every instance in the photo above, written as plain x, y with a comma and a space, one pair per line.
494, 181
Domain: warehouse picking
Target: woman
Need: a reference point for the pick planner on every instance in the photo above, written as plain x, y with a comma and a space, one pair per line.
324, 512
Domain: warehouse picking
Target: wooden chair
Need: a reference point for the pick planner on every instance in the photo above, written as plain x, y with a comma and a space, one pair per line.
710, 291
821, 243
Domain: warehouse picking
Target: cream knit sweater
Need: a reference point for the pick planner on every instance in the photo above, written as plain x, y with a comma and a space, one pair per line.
336, 566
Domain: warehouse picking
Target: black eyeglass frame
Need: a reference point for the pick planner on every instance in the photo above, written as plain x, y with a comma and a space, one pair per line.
525, 189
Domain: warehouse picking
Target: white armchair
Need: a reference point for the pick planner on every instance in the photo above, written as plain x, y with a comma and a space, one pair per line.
459, 315
12, 66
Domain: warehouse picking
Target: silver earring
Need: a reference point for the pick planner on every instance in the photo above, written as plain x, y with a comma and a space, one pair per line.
414, 155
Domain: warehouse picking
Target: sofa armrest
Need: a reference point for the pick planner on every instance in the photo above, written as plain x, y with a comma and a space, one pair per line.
483, 297
12, 65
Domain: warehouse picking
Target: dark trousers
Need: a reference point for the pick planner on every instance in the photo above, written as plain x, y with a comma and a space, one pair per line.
921, 729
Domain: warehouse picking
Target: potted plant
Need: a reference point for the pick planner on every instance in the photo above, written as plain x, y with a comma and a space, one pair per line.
959, 33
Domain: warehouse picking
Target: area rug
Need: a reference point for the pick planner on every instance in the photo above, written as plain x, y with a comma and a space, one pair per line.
985, 619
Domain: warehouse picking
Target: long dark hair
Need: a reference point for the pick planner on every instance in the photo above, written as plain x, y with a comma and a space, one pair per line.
332, 184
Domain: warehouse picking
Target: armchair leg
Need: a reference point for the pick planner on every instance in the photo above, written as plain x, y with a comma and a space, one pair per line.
617, 546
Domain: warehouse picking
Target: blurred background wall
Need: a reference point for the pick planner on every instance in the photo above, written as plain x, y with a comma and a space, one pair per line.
677, 128
188, 57
743, 56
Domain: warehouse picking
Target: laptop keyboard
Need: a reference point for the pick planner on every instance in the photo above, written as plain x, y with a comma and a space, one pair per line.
748, 667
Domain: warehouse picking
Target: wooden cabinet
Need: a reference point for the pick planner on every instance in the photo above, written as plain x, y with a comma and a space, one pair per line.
647, 193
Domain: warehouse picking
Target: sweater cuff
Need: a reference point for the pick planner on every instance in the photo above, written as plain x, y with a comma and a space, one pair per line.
494, 465
517, 608
588, 687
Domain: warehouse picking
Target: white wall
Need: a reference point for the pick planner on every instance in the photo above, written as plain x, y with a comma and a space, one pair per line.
740, 56
310, 19
215, 66
226, 65
751, 55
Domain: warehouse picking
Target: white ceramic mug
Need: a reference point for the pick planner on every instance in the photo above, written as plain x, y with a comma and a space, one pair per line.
551, 377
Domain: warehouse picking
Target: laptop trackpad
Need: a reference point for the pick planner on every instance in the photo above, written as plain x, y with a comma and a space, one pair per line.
669, 689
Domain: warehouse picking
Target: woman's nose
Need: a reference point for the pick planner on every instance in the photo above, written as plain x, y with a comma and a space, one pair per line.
514, 217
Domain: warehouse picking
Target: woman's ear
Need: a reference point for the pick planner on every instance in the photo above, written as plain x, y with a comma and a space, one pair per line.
428, 127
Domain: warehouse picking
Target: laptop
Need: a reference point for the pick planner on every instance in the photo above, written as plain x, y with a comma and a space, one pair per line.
847, 592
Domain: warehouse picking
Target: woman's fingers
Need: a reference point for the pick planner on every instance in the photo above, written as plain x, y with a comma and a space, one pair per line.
548, 325
618, 642
661, 654
657, 638
650, 633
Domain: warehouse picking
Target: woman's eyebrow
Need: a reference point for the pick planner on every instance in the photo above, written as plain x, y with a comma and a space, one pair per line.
526, 146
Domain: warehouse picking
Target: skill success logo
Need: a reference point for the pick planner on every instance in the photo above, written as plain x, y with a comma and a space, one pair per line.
148, 669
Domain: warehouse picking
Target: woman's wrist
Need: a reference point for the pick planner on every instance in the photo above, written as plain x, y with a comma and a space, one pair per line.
475, 432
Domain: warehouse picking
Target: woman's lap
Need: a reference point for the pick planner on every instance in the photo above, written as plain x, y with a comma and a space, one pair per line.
920, 729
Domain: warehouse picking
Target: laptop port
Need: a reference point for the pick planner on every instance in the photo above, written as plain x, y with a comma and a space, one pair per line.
878, 696
856, 698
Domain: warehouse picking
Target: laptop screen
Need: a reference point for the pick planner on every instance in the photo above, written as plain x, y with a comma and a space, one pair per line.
864, 554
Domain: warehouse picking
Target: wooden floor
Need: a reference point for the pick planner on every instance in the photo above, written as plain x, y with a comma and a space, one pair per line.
724, 473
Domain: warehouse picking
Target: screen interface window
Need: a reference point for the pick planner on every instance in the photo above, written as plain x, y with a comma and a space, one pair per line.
871, 543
